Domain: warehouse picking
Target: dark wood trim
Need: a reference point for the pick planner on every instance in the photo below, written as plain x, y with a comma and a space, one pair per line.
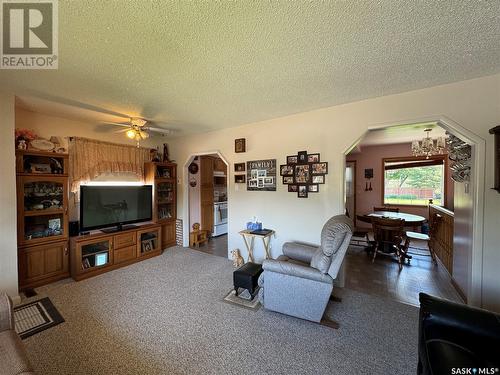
458, 289
353, 214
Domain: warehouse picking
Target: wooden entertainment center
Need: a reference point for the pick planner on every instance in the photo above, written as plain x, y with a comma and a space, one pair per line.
100, 252
45, 252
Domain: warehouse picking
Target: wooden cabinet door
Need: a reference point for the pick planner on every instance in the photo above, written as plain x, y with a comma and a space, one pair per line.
84, 259
168, 237
207, 193
219, 165
206, 171
42, 203
42, 262
148, 241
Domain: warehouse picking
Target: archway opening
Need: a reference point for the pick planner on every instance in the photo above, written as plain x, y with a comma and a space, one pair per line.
384, 172
206, 202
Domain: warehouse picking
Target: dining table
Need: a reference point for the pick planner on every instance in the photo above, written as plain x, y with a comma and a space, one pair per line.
411, 220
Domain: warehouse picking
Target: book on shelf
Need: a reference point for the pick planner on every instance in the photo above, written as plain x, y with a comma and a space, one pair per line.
85, 263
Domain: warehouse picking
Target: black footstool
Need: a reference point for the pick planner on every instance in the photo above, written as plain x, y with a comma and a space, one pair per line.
247, 276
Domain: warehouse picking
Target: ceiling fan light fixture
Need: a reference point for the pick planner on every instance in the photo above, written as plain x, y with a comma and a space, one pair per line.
137, 121
131, 133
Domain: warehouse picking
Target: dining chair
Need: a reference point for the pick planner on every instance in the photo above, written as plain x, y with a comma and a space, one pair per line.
388, 209
388, 238
435, 222
359, 235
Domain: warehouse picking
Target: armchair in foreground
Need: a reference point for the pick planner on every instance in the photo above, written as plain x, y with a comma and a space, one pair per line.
300, 282
457, 339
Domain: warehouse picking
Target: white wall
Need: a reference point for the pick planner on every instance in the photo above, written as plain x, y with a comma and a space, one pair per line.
473, 104
8, 217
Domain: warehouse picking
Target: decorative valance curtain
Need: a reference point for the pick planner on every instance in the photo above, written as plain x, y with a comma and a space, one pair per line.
89, 158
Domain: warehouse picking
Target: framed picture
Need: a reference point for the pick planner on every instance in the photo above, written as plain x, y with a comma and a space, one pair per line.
302, 173
302, 157
313, 158
302, 191
261, 175
239, 167
319, 168
239, 178
318, 179
291, 159
268, 181
313, 188
288, 179
240, 145
292, 188
286, 170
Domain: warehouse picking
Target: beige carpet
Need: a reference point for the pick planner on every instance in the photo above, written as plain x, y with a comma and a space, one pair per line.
166, 315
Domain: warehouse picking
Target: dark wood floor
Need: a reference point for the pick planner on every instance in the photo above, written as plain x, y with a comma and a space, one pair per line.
216, 246
383, 277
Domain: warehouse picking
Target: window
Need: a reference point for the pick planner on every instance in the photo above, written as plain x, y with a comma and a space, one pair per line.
413, 181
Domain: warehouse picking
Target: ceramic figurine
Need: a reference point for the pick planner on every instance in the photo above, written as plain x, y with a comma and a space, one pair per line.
22, 144
166, 157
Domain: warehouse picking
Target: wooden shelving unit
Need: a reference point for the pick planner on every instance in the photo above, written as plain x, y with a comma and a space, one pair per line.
42, 221
163, 178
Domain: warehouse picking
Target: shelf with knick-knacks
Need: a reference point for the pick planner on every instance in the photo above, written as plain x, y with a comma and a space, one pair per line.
30, 162
43, 208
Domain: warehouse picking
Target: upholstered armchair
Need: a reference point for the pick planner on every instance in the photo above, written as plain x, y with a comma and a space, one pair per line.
300, 282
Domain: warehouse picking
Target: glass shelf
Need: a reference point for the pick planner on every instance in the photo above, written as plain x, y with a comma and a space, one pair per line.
164, 172
49, 225
43, 196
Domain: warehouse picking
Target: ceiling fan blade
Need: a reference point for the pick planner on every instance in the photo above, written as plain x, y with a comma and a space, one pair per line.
118, 124
159, 130
121, 131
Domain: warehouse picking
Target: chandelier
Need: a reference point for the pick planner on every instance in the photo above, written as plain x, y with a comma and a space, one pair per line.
428, 146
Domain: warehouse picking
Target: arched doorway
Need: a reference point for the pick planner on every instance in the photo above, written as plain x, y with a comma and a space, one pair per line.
206, 179
469, 216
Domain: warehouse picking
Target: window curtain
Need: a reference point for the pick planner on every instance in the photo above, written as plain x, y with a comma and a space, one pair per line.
89, 158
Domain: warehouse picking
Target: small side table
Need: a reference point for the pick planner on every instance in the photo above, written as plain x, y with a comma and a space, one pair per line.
249, 236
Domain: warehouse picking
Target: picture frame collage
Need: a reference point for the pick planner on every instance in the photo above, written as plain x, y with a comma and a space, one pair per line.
303, 173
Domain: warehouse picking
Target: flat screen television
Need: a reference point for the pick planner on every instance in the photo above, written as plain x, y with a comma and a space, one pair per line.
114, 206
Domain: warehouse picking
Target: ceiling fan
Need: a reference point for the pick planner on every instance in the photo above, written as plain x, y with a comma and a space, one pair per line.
138, 129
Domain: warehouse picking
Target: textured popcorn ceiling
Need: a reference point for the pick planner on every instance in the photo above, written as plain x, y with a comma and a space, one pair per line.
206, 65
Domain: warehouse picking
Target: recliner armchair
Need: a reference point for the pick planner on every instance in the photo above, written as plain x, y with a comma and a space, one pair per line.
300, 282
455, 337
